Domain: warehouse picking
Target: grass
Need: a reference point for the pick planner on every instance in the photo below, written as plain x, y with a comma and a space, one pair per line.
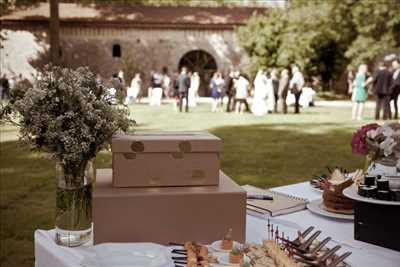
269, 151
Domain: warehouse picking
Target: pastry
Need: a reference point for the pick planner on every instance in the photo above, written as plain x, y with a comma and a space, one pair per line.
278, 255
236, 255
227, 242
197, 255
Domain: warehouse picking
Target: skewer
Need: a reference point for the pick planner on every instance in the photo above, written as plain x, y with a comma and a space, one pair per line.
312, 255
179, 252
320, 245
268, 225
328, 254
180, 262
339, 259
179, 258
304, 256
320, 261
309, 241
303, 235
276, 235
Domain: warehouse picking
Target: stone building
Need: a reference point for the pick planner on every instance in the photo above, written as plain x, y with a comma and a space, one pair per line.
109, 38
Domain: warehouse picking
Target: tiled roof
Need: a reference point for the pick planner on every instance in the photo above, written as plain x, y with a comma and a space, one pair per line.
114, 14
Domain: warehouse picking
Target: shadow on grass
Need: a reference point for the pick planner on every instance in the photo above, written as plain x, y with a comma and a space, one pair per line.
27, 200
264, 155
274, 155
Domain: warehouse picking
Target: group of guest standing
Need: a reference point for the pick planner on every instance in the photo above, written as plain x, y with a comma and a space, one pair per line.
270, 93
236, 88
385, 86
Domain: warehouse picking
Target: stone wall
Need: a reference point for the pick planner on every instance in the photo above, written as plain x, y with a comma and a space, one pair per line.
141, 49
145, 49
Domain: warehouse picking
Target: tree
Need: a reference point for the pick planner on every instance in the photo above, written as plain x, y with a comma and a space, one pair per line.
377, 24
54, 33
322, 37
263, 47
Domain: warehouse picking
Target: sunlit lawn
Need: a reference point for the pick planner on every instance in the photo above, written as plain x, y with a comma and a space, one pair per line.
269, 151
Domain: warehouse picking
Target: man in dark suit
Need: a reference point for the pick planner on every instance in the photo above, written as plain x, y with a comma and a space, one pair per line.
230, 90
183, 89
283, 90
395, 87
382, 80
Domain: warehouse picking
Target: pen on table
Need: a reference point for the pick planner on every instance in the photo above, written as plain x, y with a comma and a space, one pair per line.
260, 197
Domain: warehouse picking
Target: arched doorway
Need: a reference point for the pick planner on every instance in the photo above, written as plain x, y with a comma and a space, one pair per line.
204, 64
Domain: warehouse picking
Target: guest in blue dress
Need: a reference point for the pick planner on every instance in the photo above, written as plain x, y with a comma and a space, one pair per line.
217, 86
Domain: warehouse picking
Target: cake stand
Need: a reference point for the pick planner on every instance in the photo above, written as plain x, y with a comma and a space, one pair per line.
351, 192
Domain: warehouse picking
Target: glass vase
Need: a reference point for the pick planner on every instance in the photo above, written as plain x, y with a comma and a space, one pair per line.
73, 220
385, 166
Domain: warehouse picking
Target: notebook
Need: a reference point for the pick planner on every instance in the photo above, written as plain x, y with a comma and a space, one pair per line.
281, 203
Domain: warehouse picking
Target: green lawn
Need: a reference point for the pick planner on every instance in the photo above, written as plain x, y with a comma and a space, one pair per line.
269, 151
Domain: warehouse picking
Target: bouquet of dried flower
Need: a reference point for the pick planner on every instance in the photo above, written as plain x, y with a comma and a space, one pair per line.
66, 114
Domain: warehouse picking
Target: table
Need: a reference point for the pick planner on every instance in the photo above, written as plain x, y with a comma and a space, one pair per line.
48, 254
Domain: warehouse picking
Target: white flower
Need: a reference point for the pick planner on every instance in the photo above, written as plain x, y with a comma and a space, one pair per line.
387, 146
372, 134
385, 129
396, 133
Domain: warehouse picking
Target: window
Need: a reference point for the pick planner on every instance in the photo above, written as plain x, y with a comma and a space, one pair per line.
116, 50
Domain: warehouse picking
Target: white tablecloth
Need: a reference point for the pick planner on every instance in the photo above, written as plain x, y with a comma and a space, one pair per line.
48, 254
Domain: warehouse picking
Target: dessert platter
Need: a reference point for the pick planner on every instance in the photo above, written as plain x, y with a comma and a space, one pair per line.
375, 190
334, 203
226, 244
275, 251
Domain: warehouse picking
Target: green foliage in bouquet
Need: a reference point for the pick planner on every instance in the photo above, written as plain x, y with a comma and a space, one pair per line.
236, 251
67, 114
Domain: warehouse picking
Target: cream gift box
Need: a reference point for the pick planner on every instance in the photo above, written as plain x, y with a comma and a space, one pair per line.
157, 159
167, 214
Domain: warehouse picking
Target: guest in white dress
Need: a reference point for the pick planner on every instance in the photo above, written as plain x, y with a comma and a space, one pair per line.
259, 106
134, 90
193, 90
166, 85
242, 88
296, 85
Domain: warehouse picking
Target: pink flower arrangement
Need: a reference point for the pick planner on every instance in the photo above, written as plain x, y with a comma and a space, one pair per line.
378, 142
359, 143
